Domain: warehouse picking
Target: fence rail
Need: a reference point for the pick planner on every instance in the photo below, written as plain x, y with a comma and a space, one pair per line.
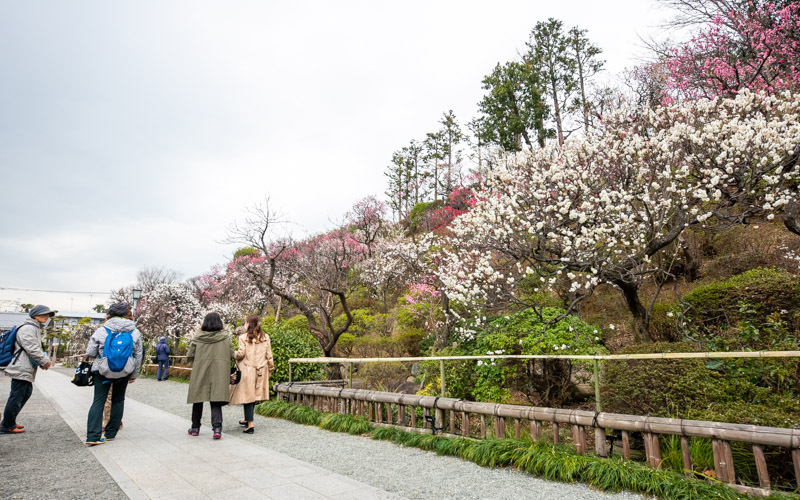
400, 410
595, 359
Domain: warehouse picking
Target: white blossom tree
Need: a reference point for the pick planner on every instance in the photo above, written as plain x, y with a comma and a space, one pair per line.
600, 209
169, 310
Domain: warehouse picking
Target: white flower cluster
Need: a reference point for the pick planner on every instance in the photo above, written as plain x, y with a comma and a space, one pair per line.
600, 208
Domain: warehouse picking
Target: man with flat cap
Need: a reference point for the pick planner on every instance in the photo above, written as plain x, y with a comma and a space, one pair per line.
28, 356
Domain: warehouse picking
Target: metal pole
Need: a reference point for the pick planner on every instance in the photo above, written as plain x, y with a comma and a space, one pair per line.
290, 371
441, 376
596, 366
350, 379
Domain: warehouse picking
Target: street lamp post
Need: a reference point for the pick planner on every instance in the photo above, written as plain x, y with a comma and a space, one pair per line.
137, 294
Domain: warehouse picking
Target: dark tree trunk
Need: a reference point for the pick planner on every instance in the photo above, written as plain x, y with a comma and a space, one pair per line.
790, 217
641, 322
443, 335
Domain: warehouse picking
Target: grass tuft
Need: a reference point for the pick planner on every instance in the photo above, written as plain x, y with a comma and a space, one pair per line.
538, 458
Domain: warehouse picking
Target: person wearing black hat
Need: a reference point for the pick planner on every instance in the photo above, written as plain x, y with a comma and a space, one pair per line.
106, 377
28, 356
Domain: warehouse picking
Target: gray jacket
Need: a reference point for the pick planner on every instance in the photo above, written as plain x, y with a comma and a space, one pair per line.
28, 353
98, 340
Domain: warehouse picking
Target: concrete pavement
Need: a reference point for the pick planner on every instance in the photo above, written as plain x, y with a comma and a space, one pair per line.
154, 457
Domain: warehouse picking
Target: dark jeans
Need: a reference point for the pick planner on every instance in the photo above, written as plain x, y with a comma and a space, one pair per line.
162, 365
94, 424
216, 414
21, 390
248, 411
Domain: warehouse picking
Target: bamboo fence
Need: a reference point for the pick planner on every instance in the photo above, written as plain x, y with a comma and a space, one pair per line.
455, 417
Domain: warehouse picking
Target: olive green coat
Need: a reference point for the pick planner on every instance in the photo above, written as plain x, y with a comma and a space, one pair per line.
210, 354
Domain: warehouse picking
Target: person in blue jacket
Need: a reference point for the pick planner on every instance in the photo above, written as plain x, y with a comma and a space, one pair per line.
162, 356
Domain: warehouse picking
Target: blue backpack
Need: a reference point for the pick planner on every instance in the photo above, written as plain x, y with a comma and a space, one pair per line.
118, 348
7, 341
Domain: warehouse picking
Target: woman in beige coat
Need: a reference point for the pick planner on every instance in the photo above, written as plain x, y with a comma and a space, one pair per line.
254, 358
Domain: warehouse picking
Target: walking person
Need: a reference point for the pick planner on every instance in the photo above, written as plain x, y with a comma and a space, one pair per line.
162, 357
254, 357
28, 355
210, 353
117, 351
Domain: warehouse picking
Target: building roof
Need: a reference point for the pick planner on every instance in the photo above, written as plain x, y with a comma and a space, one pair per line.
79, 315
10, 319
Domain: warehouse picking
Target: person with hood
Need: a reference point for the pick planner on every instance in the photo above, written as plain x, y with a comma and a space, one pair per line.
162, 356
123, 330
28, 356
255, 360
210, 353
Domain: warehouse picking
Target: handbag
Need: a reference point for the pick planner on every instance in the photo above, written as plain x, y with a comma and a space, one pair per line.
236, 375
83, 375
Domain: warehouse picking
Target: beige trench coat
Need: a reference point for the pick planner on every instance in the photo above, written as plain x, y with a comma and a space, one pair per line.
255, 361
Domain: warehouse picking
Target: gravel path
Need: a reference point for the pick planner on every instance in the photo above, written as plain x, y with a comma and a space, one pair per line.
407, 472
48, 460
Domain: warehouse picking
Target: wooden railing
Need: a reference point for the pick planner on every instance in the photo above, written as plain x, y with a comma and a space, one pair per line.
453, 417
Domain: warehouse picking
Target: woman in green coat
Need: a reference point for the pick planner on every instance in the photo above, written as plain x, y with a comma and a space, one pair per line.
210, 353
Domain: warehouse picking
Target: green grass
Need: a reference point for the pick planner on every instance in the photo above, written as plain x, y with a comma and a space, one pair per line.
538, 458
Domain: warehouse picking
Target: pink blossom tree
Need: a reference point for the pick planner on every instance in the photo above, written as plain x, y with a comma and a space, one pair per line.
747, 45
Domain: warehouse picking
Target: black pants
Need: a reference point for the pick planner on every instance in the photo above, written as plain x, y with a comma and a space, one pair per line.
21, 391
216, 414
94, 423
248, 411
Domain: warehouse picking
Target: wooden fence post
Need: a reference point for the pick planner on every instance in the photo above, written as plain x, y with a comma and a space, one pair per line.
626, 445
600, 442
464, 424
687, 458
596, 367
441, 376
761, 466
536, 429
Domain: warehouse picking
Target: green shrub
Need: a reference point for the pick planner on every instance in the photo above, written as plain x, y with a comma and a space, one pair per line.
545, 381
296, 322
383, 376
460, 375
288, 341
767, 291
366, 322
540, 381
692, 388
372, 346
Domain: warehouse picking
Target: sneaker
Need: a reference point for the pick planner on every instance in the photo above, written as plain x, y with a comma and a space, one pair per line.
109, 439
95, 443
17, 430
217, 434
194, 432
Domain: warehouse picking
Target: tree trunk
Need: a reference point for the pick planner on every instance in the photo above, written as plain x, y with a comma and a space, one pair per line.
556, 108
278, 310
790, 217
641, 322
443, 335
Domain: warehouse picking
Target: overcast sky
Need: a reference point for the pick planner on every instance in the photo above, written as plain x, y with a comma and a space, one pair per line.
133, 133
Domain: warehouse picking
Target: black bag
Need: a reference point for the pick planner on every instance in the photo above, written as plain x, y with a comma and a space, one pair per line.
83, 375
236, 375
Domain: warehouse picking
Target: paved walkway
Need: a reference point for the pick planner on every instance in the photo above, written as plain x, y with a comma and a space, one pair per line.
154, 457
